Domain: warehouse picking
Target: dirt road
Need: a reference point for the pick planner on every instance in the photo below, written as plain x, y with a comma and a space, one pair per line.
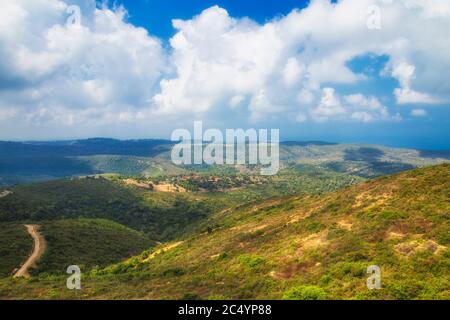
5, 193
163, 249
39, 248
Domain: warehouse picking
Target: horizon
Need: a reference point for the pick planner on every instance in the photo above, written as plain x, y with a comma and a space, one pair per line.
282, 141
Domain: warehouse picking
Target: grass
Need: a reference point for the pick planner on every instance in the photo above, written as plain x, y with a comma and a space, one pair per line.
88, 243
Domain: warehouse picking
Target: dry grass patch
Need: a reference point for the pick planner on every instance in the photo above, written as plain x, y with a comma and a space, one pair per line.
163, 249
345, 224
167, 187
314, 241
412, 247
134, 183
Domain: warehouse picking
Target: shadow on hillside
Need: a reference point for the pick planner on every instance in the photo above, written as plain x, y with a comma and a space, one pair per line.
307, 143
443, 154
366, 162
363, 154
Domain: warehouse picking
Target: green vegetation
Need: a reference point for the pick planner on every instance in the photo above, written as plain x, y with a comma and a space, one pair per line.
308, 246
305, 293
88, 243
15, 245
160, 216
251, 262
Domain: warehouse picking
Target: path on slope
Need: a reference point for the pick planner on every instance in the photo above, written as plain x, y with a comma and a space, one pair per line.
5, 193
39, 248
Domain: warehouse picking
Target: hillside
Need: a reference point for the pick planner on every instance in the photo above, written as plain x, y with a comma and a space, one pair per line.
160, 216
163, 216
24, 162
303, 247
87, 243
15, 245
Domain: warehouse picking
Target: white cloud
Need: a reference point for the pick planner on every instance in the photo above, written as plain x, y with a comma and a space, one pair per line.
286, 63
329, 107
236, 101
404, 72
367, 109
292, 72
355, 107
418, 113
108, 71
216, 58
76, 73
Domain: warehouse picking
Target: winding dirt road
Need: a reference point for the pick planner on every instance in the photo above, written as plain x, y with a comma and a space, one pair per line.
39, 248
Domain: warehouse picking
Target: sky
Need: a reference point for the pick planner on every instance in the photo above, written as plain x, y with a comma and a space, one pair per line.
362, 71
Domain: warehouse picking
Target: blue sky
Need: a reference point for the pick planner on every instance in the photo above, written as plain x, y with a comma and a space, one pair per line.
157, 15
341, 71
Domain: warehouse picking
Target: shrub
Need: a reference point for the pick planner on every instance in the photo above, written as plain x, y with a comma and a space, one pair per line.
251, 261
351, 269
393, 215
173, 272
315, 226
404, 289
305, 293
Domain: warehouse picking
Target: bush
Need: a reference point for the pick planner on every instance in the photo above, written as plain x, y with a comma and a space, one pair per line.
173, 272
251, 261
393, 215
305, 293
404, 289
315, 226
349, 269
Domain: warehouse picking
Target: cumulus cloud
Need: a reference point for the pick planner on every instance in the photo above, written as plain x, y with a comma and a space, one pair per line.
404, 72
329, 107
355, 107
290, 62
107, 71
73, 73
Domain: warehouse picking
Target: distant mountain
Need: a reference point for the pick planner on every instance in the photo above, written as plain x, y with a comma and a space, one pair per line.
95, 146
443, 154
22, 162
306, 143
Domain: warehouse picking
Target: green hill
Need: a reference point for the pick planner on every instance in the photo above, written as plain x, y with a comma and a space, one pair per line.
302, 247
87, 243
160, 216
